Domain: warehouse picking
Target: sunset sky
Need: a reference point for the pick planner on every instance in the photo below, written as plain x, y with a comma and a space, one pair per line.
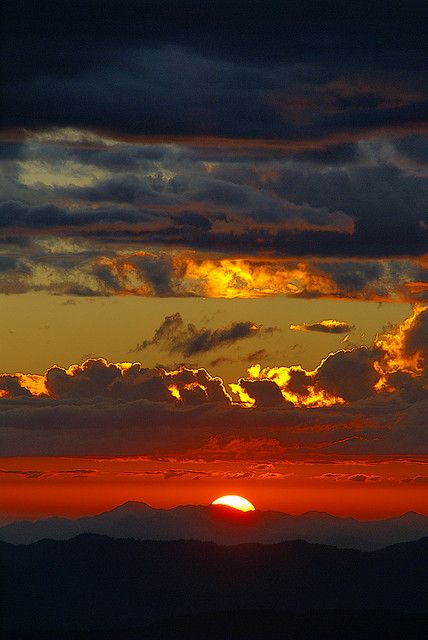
213, 256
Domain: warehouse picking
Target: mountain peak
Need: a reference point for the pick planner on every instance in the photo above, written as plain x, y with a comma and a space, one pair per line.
132, 506
411, 515
318, 515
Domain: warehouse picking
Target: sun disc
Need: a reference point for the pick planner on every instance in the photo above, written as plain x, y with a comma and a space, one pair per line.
236, 502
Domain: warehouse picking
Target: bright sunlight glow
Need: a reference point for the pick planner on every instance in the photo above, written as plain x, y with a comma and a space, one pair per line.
236, 502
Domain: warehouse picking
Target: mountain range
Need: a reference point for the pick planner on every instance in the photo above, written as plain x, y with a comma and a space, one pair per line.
91, 583
223, 525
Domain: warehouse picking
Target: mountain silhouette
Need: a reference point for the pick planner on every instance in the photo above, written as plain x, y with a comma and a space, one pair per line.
260, 624
95, 583
223, 525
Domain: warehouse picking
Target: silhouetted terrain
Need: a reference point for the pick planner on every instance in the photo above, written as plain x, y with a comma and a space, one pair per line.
264, 625
224, 526
95, 583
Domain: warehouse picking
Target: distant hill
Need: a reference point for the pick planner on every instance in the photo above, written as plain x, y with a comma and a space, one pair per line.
224, 526
93, 582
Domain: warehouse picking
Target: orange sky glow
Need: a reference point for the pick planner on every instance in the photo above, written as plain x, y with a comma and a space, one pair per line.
365, 489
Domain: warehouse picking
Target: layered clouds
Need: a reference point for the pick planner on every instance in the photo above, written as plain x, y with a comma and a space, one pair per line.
356, 400
105, 217
260, 71
218, 150
214, 151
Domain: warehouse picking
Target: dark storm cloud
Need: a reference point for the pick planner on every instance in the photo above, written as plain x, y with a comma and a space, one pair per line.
377, 195
122, 188
414, 147
225, 26
10, 150
334, 154
390, 242
20, 242
377, 241
330, 100
224, 199
123, 157
384, 202
195, 220
212, 68
356, 276
405, 239
10, 263
174, 335
20, 216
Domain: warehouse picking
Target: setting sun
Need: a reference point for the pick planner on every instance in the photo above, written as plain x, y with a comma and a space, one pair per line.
236, 502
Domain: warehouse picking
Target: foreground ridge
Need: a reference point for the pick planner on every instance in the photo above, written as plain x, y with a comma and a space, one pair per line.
106, 583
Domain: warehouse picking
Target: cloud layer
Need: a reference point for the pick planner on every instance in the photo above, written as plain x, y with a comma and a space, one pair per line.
356, 400
215, 149
266, 71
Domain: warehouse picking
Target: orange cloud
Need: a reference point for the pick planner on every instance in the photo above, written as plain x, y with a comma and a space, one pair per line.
397, 355
397, 358
310, 396
241, 278
324, 326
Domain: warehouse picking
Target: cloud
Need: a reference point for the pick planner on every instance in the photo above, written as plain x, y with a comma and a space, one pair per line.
220, 360
324, 326
175, 336
25, 474
404, 353
16, 215
259, 393
349, 374
186, 135
345, 376
294, 230
10, 387
416, 480
142, 427
351, 403
195, 219
362, 477
395, 363
260, 354
114, 271
283, 83
345, 477
35, 475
